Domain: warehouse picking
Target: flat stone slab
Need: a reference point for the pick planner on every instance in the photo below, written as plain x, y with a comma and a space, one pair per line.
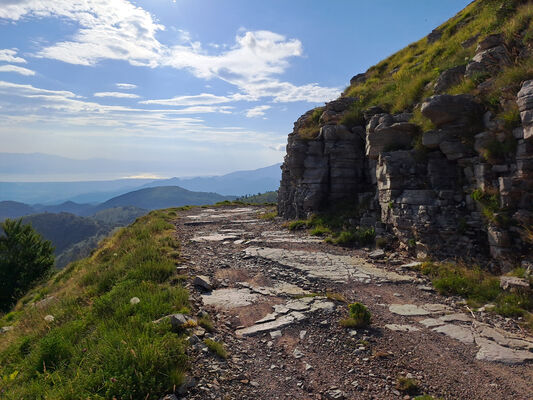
457, 332
215, 237
491, 351
431, 322
327, 266
281, 322
504, 338
401, 328
408, 309
230, 298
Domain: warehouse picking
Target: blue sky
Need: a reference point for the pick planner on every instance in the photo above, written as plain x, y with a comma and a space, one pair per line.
202, 86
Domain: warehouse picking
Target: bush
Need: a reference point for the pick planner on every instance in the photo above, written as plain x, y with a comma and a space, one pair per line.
25, 258
360, 317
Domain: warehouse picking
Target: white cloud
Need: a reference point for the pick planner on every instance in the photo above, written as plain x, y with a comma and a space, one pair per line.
119, 30
116, 94
258, 111
200, 99
9, 55
17, 69
109, 29
126, 86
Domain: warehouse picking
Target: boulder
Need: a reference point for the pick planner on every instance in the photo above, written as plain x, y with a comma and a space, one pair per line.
490, 42
384, 134
178, 322
449, 78
203, 282
488, 61
359, 78
513, 283
445, 109
434, 36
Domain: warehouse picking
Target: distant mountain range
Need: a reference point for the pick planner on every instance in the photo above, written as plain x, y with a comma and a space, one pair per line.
75, 229
238, 183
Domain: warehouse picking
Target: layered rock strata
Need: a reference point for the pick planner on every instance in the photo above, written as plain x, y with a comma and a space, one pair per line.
466, 188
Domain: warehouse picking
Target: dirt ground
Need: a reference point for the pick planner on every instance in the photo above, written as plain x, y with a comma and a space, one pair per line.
258, 269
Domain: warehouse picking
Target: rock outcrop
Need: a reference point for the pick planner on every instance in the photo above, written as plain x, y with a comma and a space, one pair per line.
466, 189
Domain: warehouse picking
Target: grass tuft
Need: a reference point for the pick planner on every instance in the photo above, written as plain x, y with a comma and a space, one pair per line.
216, 348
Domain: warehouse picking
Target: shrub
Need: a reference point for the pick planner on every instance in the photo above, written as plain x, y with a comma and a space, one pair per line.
360, 317
216, 347
297, 225
25, 258
407, 385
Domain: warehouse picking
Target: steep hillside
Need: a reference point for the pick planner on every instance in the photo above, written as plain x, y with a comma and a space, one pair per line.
65, 229
432, 148
80, 335
162, 197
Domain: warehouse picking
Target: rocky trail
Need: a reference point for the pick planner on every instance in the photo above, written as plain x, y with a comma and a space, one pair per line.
276, 299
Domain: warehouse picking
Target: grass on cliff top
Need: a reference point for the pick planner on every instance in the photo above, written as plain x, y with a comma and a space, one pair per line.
399, 82
99, 345
479, 287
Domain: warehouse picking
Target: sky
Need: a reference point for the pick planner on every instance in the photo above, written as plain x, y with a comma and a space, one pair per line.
186, 87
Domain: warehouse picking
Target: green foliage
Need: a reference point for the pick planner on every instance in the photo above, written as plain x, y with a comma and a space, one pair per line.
407, 385
310, 127
298, 224
490, 205
360, 317
478, 287
260, 198
216, 347
25, 258
100, 345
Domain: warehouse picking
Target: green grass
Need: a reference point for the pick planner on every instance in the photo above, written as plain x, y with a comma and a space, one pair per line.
400, 82
478, 287
100, 346
216, 348
359, 316
407, 385
334, 225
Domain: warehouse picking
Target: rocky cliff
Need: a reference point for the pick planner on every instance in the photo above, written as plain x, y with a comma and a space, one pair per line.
450, 174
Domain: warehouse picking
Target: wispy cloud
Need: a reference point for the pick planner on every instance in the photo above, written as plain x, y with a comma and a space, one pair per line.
117, 94
16, 69
199, 99
258, 111
119, 30
10, 55
126, 86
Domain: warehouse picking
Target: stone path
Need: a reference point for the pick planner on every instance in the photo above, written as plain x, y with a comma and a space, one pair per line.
277, 300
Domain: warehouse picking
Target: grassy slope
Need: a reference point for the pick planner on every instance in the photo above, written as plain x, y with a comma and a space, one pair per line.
99, 345
398, 83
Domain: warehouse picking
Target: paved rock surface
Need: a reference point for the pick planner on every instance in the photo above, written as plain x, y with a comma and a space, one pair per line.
276, 302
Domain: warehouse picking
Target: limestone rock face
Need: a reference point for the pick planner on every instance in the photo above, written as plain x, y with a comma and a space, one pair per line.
320, 171
425, 198
525, 105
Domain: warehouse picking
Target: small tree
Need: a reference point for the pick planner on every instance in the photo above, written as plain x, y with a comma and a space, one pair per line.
25, 257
